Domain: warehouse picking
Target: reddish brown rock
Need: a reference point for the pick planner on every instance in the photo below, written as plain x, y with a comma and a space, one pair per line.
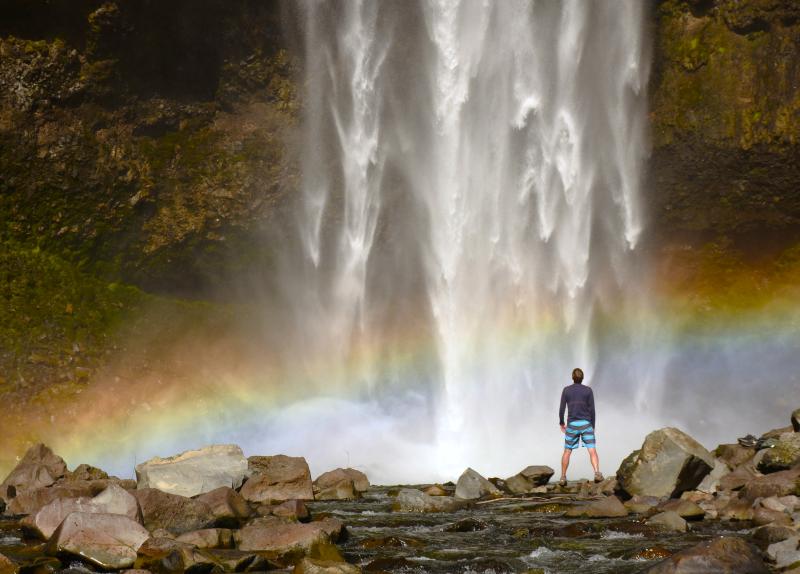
172, 512
283, 537
738, 478
292, 509
106, 540
763, 516
737, 509
31, 501
277, 479
228, 507
208, 538
341, 484
7, 566
783, 483
734, 455
166, 556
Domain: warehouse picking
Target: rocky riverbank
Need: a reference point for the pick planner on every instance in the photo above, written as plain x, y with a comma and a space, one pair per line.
673, 506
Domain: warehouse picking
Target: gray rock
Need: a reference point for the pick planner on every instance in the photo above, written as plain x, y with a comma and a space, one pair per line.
195, 471
313, 566
412, 500
277, 479
227, 506
528, 479
784, 553
783, 455
710, 483
174, 513
668, 520
40, 467
106, 540
669, 463
471, 486
724, 555
608, 507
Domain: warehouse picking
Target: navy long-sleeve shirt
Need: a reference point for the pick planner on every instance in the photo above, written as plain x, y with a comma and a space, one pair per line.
580, 400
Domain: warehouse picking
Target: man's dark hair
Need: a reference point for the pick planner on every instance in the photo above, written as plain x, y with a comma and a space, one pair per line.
577, 375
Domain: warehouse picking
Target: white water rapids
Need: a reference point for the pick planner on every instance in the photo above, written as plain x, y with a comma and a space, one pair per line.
471, 178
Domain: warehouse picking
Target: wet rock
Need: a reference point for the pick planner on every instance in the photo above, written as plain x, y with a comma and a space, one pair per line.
734, 455
724, 555
529, 478
172, 512
7, 566
227, 506
783, 455
782, 483
106, 540
281, 537
277, 479
669, 463
650, 553
338, 484
39, 467
113, 500
684, 508
784, 553
472, 486
240, 561
42, 565
435, 490
313, 566
608, 507
796, 420
393, 564
642, 504
669, 520
86, 472
466, 525
391, 542
195, 471
762, 516
167, 556
412, 500
208, 538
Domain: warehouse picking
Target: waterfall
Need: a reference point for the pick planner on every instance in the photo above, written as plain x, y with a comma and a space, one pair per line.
472, 199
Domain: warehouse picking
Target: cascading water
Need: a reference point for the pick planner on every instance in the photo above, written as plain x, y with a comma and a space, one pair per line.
471, 196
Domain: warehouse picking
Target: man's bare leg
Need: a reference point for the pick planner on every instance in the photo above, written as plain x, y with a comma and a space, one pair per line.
565, 463
593, 459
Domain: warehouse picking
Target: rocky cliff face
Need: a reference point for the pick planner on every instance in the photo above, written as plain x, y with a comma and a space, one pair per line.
725, 110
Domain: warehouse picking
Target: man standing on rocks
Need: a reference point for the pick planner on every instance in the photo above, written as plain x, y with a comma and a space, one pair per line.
580, 424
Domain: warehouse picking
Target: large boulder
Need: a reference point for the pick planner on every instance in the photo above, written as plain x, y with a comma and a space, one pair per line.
471, 486
782, 483
277, 479
783, 455
529, 478
31, 501
106, 540
174, 513
113, 500
39, 467
669, 463
195, 471
724, 555
412, 500
607, 507
340, 484
227, 506
283, 537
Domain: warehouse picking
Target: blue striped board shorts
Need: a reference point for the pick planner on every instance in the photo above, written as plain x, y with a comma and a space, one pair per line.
579, 431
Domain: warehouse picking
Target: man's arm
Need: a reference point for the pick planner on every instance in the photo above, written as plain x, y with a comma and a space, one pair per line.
562, 407
591, 406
